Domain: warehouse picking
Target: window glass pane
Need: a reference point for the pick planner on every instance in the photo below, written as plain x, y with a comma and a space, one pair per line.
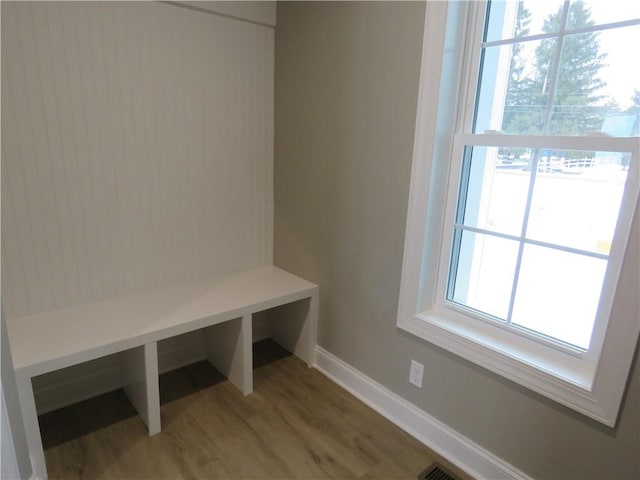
593, 88
508, 19
484, 275
558, 294
514, 88
576, 198
611, 10
597, 84
496, 189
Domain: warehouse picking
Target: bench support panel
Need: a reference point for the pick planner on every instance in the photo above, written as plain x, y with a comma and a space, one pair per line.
228, 343
140, 377
294, 327
31, 426
228, 348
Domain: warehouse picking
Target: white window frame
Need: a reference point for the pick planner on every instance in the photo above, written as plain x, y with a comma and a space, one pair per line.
592, 383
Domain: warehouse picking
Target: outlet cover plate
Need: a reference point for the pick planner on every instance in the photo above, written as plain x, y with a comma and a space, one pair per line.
415, 374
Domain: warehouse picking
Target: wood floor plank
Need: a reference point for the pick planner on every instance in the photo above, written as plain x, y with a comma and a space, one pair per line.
296, 425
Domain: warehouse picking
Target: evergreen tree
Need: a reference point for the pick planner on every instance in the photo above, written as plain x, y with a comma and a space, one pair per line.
576, 101
518, 100
517, 106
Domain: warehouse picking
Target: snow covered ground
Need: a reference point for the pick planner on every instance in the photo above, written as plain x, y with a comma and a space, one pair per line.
558, 292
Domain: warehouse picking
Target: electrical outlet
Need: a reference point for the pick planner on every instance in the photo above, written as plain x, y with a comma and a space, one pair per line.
415, 374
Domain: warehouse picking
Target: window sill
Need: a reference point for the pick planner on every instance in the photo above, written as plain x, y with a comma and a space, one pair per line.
557, 375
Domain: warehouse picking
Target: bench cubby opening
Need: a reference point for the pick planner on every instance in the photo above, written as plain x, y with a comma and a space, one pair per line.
216, 314
226, 345
66, 386
289, 326
134, 370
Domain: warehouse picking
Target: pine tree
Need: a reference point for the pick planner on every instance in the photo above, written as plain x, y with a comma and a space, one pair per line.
518, 101
576, 104
518, 109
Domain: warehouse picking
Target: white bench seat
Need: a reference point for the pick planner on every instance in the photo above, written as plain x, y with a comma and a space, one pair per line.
133, 324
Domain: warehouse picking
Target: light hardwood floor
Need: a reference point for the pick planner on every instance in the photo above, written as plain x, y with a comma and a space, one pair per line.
297, 424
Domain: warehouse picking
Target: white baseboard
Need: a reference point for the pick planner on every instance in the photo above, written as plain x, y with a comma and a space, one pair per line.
88, 380
446, 442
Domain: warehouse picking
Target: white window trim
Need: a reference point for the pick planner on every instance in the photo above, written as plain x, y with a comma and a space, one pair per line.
595, 387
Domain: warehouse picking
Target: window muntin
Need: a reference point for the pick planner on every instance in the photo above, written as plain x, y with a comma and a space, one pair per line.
576, 198
533, 227
591, 382
493, 193
558, 294
555, 69
483, 282
536, 262
501, 29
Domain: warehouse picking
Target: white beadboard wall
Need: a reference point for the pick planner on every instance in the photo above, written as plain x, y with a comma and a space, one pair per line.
137, 149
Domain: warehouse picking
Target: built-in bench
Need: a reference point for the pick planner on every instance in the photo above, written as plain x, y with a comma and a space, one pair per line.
132, 326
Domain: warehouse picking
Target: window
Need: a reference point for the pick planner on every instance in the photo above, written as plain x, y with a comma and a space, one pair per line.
524, 187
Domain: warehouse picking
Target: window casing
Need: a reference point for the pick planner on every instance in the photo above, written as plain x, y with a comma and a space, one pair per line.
568, 369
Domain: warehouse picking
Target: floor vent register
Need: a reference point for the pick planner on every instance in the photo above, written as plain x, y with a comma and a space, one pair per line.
436, 472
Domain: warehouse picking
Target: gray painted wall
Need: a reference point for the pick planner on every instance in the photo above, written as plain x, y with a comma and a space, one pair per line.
346, 91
